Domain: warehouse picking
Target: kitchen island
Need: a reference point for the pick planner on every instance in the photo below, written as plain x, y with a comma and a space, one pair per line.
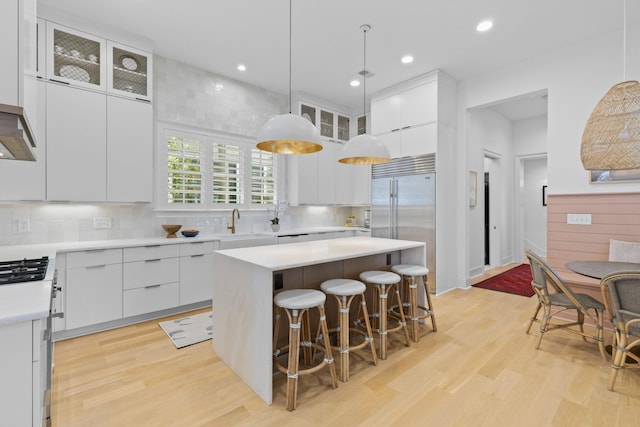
245, 280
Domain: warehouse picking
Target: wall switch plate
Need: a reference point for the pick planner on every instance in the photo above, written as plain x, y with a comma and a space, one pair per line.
24, 225
101, 222
580, 219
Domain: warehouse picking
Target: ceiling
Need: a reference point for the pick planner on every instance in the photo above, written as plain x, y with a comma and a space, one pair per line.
327, 44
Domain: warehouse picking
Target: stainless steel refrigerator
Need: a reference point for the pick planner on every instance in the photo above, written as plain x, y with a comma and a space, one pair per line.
403, 204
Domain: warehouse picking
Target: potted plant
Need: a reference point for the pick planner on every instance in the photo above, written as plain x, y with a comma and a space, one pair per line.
275, 221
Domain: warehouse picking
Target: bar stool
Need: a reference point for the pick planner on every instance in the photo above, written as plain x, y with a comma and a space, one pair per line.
384, 282
345, 290
410, 274
296, 303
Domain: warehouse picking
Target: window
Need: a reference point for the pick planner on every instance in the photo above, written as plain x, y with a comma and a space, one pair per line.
206, 172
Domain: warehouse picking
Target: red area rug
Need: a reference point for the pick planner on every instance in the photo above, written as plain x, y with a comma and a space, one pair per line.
516, 280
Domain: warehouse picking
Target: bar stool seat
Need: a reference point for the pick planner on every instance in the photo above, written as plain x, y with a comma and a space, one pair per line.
345, 290
383, 283
410, 274
296, 304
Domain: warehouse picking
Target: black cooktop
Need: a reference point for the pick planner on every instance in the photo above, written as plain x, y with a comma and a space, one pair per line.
25, 270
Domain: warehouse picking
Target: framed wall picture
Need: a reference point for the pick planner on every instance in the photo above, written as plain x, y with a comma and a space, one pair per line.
613, 176
473, 188
544, 195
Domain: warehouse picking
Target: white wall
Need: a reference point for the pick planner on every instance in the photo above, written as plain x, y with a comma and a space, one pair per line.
535, 214
575, 78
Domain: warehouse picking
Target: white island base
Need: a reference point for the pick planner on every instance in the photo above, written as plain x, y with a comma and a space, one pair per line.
244, 283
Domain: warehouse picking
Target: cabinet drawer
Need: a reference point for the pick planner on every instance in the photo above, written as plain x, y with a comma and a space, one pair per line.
141, 253
94, 257
150, 299
150, 272
196, 248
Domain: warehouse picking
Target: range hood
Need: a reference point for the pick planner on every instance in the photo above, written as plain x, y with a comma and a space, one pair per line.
17, 140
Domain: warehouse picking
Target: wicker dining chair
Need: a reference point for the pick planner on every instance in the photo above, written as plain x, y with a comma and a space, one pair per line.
621, 294
559, 301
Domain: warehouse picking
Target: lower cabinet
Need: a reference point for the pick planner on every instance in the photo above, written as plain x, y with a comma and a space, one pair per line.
196, 271
150, 279
93, 287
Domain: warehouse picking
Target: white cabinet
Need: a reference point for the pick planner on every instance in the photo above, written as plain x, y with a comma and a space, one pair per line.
319, 179
151, 276
93, 287
129, 71
76, 58
411, 141
76, 144
129, 153
16, 370
409, 107
331, 125
196, 271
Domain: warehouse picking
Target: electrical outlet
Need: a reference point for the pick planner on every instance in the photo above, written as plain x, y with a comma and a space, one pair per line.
101, 222
580, 219
24, 225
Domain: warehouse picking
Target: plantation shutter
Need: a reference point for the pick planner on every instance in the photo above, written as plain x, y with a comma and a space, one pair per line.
263, 177
184, 172
227, 166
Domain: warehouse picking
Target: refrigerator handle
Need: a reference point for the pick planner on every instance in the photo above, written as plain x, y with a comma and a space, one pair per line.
394, 208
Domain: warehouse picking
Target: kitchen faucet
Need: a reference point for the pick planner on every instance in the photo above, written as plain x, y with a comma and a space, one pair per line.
232, 227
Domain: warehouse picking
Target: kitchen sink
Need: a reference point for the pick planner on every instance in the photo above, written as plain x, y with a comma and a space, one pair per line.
231, 241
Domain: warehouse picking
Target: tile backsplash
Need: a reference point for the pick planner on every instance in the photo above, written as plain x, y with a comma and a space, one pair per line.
51, 223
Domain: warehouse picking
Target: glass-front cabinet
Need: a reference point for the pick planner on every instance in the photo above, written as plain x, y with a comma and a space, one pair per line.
129, 71
331, 125
75, 58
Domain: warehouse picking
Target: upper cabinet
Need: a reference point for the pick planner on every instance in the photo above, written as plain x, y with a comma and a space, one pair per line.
415, 117
331, 125
83, 60
129, 71
75, 58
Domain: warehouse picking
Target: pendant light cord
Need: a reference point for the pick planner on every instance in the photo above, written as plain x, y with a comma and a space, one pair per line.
624, 40
290, 56
364, 76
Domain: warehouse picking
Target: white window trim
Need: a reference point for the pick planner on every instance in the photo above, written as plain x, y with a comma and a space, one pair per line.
160, 170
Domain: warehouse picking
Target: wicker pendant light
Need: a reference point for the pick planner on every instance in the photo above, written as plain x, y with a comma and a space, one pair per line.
611, 137
364, 149
289, 133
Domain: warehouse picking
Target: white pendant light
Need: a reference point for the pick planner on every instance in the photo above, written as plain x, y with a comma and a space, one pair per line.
289, 133
611, 137
364, 149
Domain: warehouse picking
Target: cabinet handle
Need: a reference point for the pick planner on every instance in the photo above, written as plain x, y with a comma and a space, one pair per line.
406, 127
143, 100
96, 266
95, 250
58, 81
153, 260
197, 256
395, 130
153, 246
152, 286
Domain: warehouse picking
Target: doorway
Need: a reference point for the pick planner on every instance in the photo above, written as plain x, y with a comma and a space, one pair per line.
487, 207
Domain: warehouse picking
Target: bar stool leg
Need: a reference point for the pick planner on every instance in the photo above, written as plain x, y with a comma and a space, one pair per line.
295, 318
367, 323
429, 307
327, 347
343, 336
382, 327
413, 308
403, 320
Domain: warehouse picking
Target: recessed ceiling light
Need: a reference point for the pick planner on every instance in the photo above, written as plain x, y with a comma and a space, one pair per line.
407, 59
355, 83
484, 25
242, 67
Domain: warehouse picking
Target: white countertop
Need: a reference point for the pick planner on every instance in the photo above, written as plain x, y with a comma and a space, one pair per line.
24, 301
293, 255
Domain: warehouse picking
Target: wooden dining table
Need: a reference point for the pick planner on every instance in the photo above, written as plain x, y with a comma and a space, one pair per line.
600, 269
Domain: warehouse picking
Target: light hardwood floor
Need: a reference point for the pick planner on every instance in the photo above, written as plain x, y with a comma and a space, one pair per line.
479, 369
